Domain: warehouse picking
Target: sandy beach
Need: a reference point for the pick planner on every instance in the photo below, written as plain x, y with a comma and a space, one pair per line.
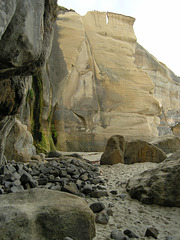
129, 213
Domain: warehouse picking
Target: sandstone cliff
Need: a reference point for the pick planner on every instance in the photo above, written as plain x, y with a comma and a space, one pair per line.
98, 89
167, 88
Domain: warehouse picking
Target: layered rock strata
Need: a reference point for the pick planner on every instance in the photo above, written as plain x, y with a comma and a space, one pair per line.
167, 89
100, 91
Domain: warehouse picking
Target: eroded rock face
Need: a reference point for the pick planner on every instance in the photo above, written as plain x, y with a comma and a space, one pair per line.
167, 88
160, 185
103, 92
139, 151
168, 143
114, 152
25, 44
45, 214
19, 145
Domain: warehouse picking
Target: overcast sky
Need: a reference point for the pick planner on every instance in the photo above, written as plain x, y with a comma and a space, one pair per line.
157, 25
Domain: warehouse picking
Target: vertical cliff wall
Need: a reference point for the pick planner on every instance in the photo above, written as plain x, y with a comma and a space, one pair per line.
99, 91
25, 44
167, 88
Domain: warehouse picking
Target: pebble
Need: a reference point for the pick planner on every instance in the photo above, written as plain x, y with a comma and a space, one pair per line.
97, 207
151, 232
130, 234
69, 174
118, 235
102, 217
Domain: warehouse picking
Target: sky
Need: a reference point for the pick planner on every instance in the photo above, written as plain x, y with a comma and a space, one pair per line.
157, 25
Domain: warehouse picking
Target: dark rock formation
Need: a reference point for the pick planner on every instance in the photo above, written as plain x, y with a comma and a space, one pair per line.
45, 214
25, 42
160, 185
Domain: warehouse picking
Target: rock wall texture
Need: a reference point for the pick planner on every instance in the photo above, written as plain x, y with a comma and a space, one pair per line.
25, 44
98, 91
167, 89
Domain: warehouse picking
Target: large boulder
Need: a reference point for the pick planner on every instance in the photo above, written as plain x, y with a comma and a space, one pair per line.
139, 151
19, 143
120, 151
45, 214
114, 152
168, 143
160, 185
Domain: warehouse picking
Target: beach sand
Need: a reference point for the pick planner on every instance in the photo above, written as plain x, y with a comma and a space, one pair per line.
129, 213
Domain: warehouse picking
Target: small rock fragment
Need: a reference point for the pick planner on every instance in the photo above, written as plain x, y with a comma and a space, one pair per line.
151, 232
130, 234
97, 207
117, 235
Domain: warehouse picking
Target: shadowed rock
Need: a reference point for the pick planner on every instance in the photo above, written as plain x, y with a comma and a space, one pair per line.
114, 152
160, 185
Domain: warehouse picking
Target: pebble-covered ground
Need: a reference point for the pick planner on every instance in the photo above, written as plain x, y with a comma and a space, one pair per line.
131, 214
105, 185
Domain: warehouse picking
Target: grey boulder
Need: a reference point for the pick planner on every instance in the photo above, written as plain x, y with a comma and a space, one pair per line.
45, 214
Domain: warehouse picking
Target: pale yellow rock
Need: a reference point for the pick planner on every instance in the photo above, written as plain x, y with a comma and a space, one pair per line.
167, 87
104, 93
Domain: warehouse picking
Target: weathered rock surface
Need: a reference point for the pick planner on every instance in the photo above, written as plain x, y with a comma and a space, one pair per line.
114, 152
167, 88
19, 145
168, 143
160, 185
25, 44
138, 151
100, 91
45, 214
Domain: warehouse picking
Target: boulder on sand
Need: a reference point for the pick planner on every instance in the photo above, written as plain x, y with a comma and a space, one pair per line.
45, 214
139, 151
160, 185
168, 143
114, 152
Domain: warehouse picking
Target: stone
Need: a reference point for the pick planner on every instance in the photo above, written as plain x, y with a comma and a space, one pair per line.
117, 235
114, 152
99, 193
54, 154
87, 189
102, 217
20, 141
159, 185
139, 151
24, 214
114, 192
168, 143
130, 234
70, 188
97, 207
151, 232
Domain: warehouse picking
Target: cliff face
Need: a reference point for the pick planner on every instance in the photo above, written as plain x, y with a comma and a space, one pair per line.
25, 43
167, 88
99, 91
